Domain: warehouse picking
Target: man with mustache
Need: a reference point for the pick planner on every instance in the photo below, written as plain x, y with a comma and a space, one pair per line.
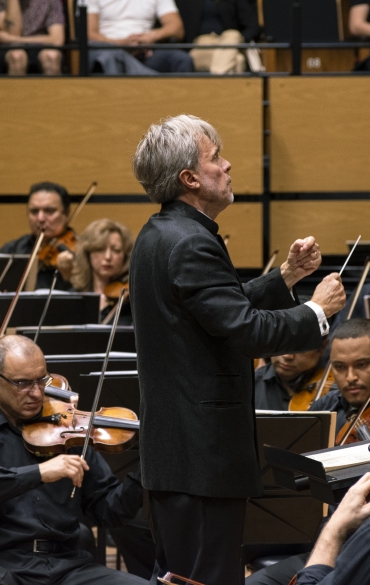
350, 362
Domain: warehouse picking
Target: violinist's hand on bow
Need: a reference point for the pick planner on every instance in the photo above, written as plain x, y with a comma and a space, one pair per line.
65, 264
71, 466
304, 258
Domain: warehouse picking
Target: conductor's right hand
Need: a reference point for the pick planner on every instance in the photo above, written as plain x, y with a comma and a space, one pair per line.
71, 466
330, 295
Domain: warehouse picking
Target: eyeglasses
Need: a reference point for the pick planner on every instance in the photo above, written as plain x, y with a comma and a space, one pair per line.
27, 385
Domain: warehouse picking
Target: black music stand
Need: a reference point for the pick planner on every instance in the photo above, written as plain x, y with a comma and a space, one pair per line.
119, 389
280, 522
12, 267
72, 366
296, 472
66, 309
81, 339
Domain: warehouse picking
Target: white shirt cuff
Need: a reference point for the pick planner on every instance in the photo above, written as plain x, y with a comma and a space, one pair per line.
323, 323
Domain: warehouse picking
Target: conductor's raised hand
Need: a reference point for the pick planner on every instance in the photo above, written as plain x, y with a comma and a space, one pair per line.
304, 257
71, 466
330, 295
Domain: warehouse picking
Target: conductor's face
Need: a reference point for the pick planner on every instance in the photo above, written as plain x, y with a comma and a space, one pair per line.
350, 361
213, 175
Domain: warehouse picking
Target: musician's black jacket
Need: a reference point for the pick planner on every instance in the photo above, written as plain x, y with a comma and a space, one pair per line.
197, 328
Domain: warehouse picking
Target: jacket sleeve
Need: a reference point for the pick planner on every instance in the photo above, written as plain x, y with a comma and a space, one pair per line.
204, 281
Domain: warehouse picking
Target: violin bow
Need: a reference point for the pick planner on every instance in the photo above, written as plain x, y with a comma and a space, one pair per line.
82, 203
21, 284
101, 380
42, 319
360, 284
270, 263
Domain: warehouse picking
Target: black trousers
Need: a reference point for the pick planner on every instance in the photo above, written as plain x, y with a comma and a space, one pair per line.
197, 537
71, 568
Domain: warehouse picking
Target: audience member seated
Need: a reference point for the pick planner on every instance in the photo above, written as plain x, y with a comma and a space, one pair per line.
132, 23
32, 22
350, 359
48, 210
39, 527
287, 375
219, 22
102, 257
359, 26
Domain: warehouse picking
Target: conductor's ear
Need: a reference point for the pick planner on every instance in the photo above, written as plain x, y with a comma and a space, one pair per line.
189, 179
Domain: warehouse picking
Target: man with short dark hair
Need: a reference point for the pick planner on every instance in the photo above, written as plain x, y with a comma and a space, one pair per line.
39, 521
283, 381
48, 210
196, 325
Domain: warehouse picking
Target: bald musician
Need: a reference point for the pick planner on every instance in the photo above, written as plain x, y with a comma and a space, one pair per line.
47, 209
39, 527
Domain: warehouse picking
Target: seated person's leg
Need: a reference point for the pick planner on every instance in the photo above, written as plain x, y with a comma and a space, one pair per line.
135, 543
226, 60
17, 61
170, 61
50, 61
202, 58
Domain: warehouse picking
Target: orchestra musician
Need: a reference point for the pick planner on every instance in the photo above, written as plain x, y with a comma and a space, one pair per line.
287, 375
102, 258
47, 209
196, 326
350, 361
39, 527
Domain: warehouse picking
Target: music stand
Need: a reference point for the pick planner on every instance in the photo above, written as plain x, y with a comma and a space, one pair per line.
297, 472
12, 267
119, 389
280, 522
67, 308
72, 366
81, 339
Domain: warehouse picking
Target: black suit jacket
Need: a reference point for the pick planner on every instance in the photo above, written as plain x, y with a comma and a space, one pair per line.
197, 329
235, 14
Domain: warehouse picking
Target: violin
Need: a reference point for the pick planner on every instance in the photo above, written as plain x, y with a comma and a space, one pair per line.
303, 399
113, 290
66, 242
59, 388
48, 254
61, 426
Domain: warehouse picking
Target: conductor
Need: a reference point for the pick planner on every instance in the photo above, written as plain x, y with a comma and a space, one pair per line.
197, 328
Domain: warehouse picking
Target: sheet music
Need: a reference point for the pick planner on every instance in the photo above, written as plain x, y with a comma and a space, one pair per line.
356, 455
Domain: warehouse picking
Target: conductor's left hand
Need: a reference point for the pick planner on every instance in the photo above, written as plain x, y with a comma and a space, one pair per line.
304, 258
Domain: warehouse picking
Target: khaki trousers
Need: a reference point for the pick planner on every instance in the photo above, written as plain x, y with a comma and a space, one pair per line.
219, 61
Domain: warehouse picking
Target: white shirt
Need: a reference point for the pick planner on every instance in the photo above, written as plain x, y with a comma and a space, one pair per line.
120, 18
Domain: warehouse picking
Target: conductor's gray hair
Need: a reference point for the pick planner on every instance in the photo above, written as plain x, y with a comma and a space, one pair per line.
167, 149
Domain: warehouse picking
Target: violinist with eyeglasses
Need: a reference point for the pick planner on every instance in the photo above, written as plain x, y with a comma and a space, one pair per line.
39, 521
48, 210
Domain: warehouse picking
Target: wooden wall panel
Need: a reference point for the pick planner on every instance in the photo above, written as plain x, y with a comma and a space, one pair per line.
331, 222
74, 131
242, 221
320, 131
